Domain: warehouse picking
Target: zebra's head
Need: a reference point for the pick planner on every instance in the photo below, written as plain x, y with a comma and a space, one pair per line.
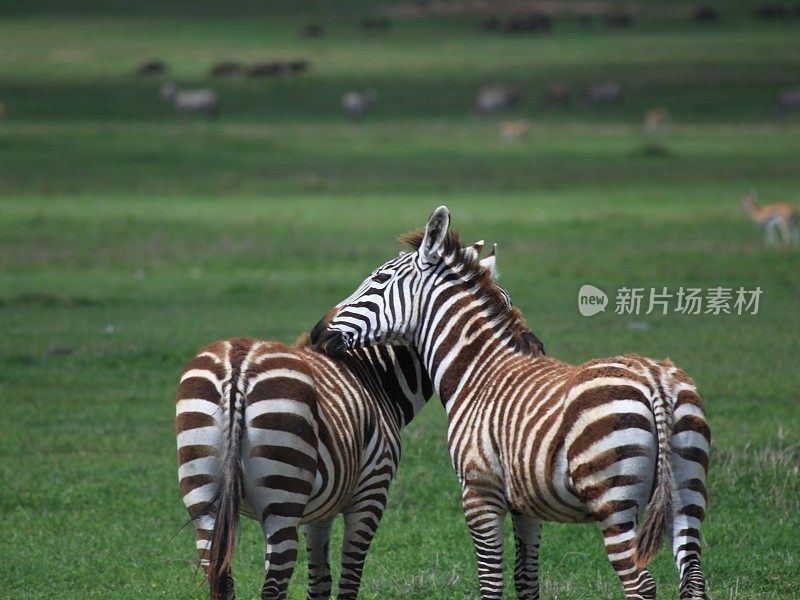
389, 305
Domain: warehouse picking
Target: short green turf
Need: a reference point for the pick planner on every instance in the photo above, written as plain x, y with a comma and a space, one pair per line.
129, 239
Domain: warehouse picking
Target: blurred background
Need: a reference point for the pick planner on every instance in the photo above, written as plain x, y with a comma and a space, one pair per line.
177, 172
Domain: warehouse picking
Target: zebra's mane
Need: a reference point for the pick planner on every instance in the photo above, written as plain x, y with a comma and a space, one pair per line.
522, 338
303, 341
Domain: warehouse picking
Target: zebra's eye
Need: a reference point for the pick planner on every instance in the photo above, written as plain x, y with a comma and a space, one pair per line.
381, 277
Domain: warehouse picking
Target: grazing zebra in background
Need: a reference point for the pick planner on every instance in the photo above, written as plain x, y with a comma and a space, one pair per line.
602, 93
204, 102
287, 435
358, 104
496, 97
534, 436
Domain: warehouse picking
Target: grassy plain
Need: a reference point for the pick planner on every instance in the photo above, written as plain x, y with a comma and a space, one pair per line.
128, 240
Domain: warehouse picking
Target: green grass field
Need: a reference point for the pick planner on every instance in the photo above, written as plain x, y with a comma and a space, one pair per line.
129, 239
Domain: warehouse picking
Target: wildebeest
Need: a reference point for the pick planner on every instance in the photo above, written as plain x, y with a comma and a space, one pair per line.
358, 104
533, 22
584, 20
296, 67
495, 97
225, 68
205, 102
788, 100
375, 24
602, 93
151, 67
312, 30
618, 19
771, 11
557, 94
705, 14
270, 68
490, 24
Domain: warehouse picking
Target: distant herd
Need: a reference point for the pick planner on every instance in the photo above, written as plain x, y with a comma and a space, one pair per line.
493, 98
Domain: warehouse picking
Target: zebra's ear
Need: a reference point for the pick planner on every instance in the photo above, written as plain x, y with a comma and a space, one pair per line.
435, 232
490, 262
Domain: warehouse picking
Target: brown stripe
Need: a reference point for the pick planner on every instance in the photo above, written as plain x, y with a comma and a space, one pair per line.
604, 426
690, 397
608, 458
187, 453
290, 456
193, 420
192, 482
692, 423
198, 387
593, 492
281, 482
279, 387
694, 454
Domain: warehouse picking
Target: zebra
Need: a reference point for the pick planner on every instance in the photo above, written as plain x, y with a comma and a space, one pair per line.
788, 100
358, 104
288, 436
534, 436
602, 93
191, 101
496, 97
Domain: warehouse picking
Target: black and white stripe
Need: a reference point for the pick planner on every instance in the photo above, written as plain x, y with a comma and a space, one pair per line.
616, 441
289, 436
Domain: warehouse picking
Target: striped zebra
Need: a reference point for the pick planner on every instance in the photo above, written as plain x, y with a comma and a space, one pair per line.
617, 441
289, 436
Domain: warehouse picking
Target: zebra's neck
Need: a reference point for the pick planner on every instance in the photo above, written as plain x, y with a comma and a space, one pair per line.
401, 382
457, 335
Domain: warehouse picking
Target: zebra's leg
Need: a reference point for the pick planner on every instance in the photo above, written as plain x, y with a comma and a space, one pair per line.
619, 537
205, 531
318, 537
616, 495
527, 533
360, 524
691, 440
770, 231
485, 510
280, 532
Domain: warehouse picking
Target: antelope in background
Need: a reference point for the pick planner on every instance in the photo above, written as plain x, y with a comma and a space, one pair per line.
779, 216
656, 119
515, 130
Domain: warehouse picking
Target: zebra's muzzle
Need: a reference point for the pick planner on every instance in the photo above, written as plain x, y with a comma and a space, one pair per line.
329, 341
332, 343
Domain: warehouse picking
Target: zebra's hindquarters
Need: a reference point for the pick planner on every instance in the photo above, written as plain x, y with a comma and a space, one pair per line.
637, 447
279, 453
612, 452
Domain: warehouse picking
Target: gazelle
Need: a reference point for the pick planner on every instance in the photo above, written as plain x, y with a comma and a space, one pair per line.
779, 216
515, 130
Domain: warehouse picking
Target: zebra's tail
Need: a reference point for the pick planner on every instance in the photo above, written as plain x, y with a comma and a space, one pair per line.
226, 524
659, 510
